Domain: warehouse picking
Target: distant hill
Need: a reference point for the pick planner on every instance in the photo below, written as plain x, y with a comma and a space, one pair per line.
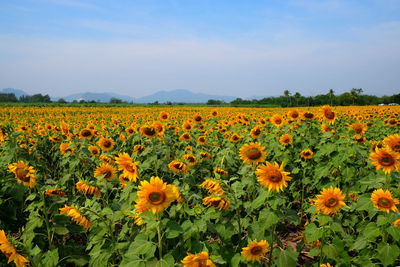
181, 95
98, 97
16, 92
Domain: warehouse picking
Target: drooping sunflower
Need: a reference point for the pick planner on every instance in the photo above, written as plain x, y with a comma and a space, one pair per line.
221, 172
56, 192
105, 171
138, 149
277, 120
330, 201
106, 144
272, 176
384, 201
83, 187
306, 154
24, 173
255, 250
393, 142
128, 166
217, 202
197, 260
94, 150
328, 114
148, 131
252, 153
385, 159
192, 160
178, 166
11, 252
286, 139
213, 187
155, 195
76, 216
205, 155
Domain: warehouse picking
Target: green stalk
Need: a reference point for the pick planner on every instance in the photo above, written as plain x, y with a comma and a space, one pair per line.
159, 240
46, 219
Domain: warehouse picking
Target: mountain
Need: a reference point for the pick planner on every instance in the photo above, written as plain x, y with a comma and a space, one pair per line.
16, 92
181, 95
98, 97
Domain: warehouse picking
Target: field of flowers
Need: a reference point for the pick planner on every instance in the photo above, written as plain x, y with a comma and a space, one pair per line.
197, 186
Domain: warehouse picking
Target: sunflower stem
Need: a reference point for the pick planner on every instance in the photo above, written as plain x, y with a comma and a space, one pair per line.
46, 218
159, 240
272, 246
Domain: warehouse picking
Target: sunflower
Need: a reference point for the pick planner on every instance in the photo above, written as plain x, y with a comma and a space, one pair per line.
325, 128
256, 132
197, 117
277, 120
213, 187
286, 139
24, 173
393, 142
255, 250
185, 137
217, 202
272, 176
293, 114
86, 133
358, 127
197, 260
106, 144
159, 127
76, 216
221, 172
214, 112
128, 166
106, 159
83, 187
56, 192
138, 213
178, 166
105, 172
306, 154
138, 149
191, 159
396, 223
55, 139
148, 131
205, 155
65, 148
235, 138
187, 126
164, 116
329, 114
155, 195
11, 252
130, 130
308, 115
326, 265
94, 150
201, 140
385, 159
384, 201
330, 201
252, 153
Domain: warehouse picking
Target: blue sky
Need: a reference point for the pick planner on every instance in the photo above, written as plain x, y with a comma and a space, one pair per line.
240, 48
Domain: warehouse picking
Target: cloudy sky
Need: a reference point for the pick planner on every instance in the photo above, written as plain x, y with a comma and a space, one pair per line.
241, 48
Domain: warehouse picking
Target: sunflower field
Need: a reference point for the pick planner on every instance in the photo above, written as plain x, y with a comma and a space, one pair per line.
198, 186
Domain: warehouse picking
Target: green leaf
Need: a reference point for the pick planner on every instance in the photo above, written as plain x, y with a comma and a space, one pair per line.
261, 199
330, 251
50, 258
359, 244
313, 233
287, 258
387, 254
394, 232
371, 231
235, 261
173, 229
60, 230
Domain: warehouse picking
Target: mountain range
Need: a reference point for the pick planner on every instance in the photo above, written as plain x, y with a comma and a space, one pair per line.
174, 96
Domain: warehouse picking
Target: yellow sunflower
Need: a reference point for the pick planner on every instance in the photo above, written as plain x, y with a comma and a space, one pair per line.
178, 166
255, 250
185, 137
192, 160
385, 159
286, 139
393, 142
86, 133
217, 202
330, 201
138, 149
358, 127
256, 132
197, 117
65, 148
221, 172
326, 265
396, 223
277, 120
54, 192
76, 216
106, 144
148, 131
272, 176
201, 140
384, 201
205, 155
11, 252
83, 187
328, 114
155, 195
128, 166
293, 114
252, 153
308, 115
94, 150
197, 260
164, 115
24, 173
306, 154
325, 128
213, 187
105, 171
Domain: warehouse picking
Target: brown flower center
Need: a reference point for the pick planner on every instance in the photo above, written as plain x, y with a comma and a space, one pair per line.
86, 133
156, 198
106, 143
332, 202
329, 114
22, 173
254, 153
384, 203
149, 131
256, 250
275, 176
308, 115
387, 160
278, 121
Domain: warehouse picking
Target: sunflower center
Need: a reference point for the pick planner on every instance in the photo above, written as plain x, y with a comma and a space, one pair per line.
330, 115
197, 118
308, 115
257, 132
384, 202
106, 143
86, 133
178, 166
256, 250
108, 174
129, 168
157, 198
278, 121
202, 140
21, 174
275, 176
294, 115
254, 153
191, 159
387, 160
150, 131
331, 202
396, 147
